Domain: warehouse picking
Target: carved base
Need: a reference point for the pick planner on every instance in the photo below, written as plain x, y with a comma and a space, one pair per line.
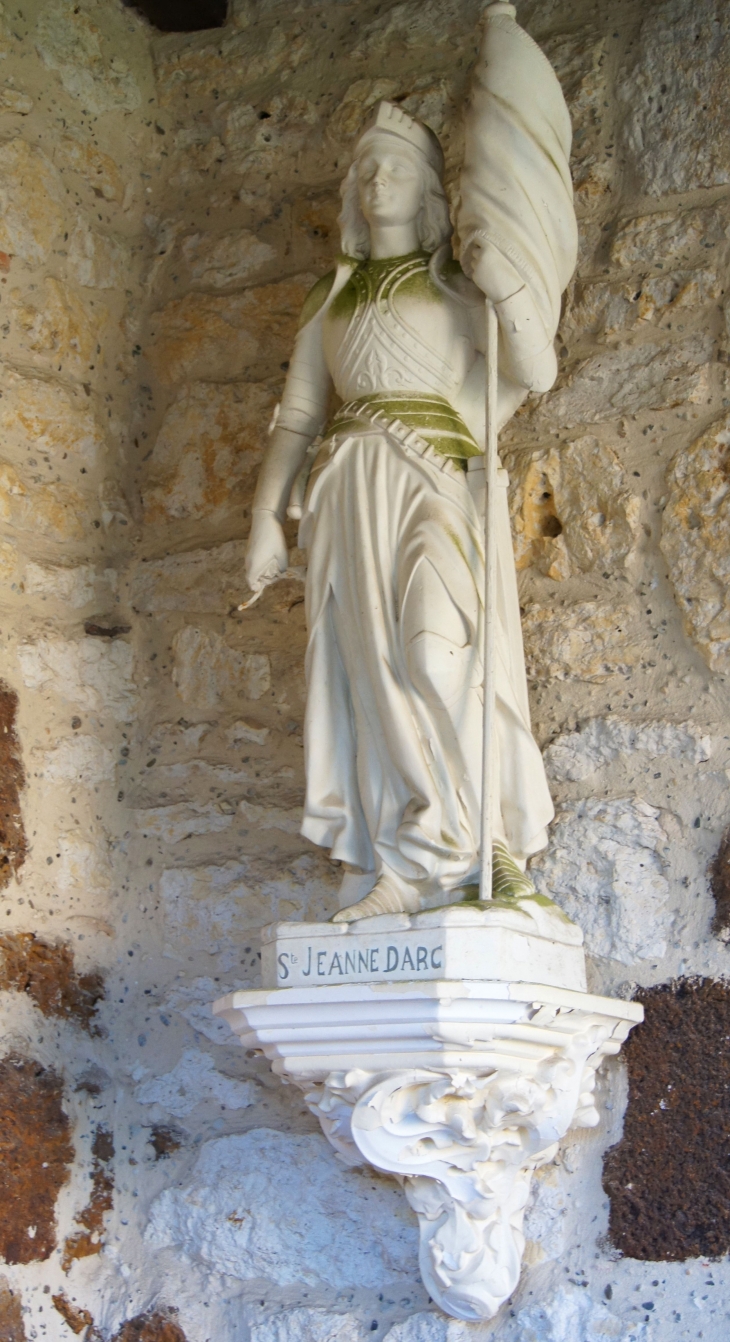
459, 1089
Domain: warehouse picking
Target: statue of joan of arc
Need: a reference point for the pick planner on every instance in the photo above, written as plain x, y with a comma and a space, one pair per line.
388, 490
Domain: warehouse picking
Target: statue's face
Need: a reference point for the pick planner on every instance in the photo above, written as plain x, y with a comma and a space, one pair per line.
389, 185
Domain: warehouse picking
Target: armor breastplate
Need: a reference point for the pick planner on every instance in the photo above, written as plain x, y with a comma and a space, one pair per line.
372, 346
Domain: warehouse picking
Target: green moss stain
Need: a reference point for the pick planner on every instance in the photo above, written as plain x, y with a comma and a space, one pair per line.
316, 298
429, 416
375, 280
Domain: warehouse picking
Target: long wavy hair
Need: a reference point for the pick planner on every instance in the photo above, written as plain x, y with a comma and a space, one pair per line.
433, 222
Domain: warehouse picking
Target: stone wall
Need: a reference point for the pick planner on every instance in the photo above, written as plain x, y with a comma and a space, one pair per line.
166, 203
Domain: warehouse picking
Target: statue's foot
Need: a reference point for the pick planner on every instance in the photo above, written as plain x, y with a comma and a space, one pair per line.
508, 880
388, 895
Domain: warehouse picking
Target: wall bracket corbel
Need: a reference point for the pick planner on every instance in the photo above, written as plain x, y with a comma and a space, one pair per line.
460, 1089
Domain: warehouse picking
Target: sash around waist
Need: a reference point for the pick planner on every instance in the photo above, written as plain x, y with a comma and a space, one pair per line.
422, 415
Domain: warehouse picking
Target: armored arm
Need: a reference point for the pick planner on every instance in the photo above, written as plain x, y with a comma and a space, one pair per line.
301, 416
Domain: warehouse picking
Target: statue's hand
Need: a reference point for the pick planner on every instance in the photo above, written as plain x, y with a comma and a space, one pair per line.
266, 554
491, 271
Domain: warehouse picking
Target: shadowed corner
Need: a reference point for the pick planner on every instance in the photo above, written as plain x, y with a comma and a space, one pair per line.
182, 16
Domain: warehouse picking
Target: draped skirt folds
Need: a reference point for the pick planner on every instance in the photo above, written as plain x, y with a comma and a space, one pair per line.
394, 674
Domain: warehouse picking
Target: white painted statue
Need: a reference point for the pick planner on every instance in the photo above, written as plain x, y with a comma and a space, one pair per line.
390, 493
451, 1046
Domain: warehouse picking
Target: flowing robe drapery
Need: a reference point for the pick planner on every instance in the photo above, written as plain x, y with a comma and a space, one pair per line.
394, 707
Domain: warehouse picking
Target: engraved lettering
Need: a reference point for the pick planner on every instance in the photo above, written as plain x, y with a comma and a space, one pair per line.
283, 969
374, 953
350, 962
336, 960
306, 972
320, 963
421, 957
391, 962
436, 964
362, 962
407, 959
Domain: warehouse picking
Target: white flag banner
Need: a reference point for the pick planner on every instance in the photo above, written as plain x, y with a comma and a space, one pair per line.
516, 190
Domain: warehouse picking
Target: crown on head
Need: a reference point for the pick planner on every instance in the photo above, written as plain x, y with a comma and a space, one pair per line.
392, 120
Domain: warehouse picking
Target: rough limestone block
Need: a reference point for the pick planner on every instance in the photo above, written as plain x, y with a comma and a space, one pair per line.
82, 760
14, 100
207, 669
71, 587
46, 417
10, 565
409, 32
80, 866
174, 823
358, 101
308, 1325
247, 731
672, 238
427, 1327
321, 1225
32, 202
221, 338
170, 738
292, 139
222, 263
193, 1002
193, 1080
256, 53
555, 529
94, 168
210, 440
97, 261
587, 640
210, 906
56, 511
90, 673
187, 780
618, 308
628, 379
570, 1315
574, 756
545, 1213
55, 332
68, 41
677, 93
695, 529
195, 581
604, 868
564, 1314
271, 817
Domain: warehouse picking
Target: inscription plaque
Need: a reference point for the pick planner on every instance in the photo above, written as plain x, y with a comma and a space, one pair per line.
453, 943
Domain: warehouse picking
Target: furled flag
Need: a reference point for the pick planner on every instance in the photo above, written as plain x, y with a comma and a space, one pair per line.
516, 190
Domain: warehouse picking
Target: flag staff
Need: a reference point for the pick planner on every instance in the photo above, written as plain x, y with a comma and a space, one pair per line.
489, 772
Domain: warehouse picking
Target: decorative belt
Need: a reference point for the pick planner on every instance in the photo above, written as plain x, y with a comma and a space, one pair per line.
416, 419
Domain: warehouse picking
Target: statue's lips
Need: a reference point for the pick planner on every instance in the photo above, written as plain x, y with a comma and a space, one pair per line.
382, 209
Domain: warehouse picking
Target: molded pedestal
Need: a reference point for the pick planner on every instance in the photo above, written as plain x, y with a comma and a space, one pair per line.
458, 1087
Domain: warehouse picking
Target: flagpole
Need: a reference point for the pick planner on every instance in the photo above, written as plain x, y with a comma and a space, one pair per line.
490, 602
